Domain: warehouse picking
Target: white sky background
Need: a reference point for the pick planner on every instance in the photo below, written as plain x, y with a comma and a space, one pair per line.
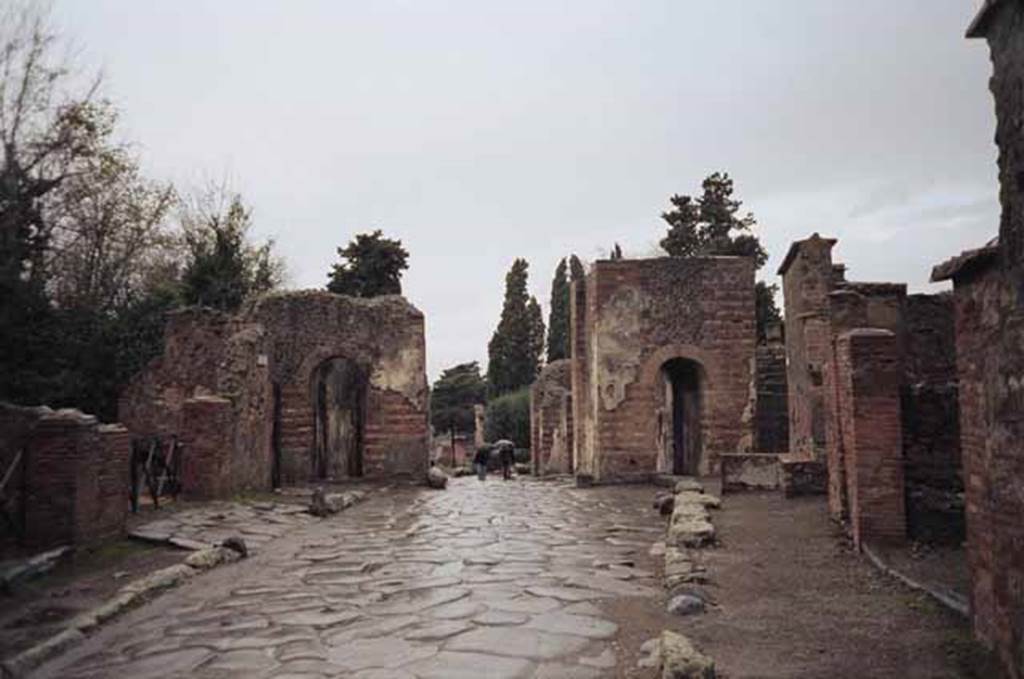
479, 131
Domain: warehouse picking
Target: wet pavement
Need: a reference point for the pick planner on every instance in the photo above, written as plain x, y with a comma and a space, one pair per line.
502, 579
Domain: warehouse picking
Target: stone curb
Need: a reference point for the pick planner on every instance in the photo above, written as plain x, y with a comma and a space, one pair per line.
689, 530
947, 598
129, 596
134, 594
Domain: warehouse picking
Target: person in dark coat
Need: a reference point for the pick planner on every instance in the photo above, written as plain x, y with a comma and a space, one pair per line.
483, 455
506, 451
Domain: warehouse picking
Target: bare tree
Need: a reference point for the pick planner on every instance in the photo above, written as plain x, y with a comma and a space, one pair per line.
48, 125
111, 234
223, 267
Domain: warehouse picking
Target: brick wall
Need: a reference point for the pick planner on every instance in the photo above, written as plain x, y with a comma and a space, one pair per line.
771, 419
207, 442
869, 372
807, 278
264, 360
640, 314
72, 487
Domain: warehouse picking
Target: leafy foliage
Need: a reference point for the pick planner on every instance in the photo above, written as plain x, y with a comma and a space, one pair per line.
371, 266
508, 417
452, 399
517, 345
766, 310
89, 261
223, 269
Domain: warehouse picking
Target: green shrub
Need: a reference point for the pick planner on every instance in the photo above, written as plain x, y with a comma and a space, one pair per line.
508, 417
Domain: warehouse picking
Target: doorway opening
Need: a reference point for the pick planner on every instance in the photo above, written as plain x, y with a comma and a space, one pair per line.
683, 393
339, 398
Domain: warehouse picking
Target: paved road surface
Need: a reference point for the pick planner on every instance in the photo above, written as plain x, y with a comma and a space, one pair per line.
501, 579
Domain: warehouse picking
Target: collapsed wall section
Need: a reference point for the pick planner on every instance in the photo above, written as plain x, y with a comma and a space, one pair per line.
551, 419
266, 362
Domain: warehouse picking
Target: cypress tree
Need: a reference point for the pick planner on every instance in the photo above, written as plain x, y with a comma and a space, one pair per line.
558, 320
515, 348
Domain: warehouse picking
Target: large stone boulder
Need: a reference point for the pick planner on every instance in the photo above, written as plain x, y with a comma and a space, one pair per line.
679, 659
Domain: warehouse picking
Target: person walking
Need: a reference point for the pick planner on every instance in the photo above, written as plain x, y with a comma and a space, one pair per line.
483, 454
506, 451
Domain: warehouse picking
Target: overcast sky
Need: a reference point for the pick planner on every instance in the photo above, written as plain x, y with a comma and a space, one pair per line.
477, 132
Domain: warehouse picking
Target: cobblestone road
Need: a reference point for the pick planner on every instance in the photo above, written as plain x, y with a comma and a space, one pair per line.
500, 579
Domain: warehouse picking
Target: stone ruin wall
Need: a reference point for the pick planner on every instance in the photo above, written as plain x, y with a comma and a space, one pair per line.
385, 337
922, 327
638, 314
71, 486
551, 419
989, 309
209, 353
771, 418
259, 365
807, 278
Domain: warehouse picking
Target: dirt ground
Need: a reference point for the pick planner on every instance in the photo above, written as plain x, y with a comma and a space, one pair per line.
794, 600
38, 608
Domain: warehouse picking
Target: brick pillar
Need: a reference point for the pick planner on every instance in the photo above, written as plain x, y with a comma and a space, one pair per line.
869, 371
60, 479
208, 436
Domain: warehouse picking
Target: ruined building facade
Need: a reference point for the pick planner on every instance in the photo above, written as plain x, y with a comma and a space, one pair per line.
989, 304
873, 398
662, 366
296, 386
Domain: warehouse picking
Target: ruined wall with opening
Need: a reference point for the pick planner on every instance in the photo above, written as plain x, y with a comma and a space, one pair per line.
551, 418
262, 361
634, 317
922, 327
771, 417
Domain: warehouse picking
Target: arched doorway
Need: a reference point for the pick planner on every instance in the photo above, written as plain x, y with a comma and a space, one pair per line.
339, 399
682, 430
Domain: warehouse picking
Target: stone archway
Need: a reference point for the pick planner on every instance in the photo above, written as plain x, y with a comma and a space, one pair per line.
339, 389
681, 379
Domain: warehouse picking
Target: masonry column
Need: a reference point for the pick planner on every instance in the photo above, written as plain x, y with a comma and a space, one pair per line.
869, 373
208, 438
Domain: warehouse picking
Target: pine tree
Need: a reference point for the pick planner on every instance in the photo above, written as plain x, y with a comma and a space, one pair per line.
515, 349
372, 266
558, 320
710, 225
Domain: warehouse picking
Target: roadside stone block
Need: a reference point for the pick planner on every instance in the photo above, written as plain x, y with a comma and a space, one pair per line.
680, 659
